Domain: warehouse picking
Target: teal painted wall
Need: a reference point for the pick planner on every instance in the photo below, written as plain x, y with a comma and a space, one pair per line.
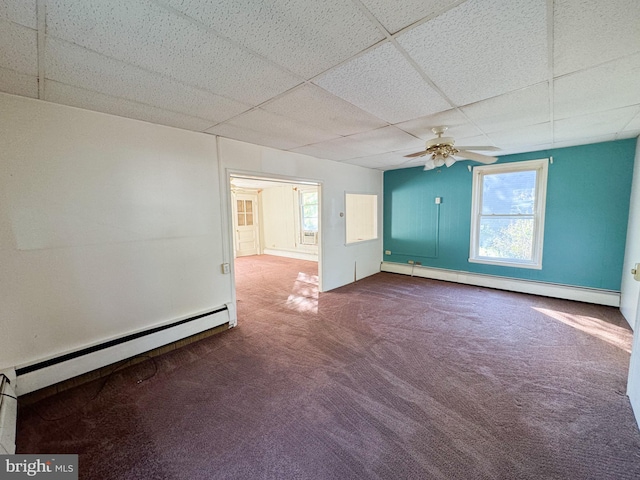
588, 193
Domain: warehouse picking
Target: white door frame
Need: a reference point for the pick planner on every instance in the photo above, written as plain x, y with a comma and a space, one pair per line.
229, 237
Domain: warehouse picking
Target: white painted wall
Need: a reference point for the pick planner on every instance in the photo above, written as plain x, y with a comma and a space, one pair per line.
338, 263
110, 226
107, 226
281, 224
630, 289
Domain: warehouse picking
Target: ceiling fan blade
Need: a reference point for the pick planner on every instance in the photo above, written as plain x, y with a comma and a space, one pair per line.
479, 147
449, 161
476, 156
417, 154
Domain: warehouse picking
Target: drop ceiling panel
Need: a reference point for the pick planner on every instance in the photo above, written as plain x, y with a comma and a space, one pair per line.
77, 66
18, 83
389, 139
77, 97
594, 124
633, 125
530, 135
266, 128
305, 37
399, 14
590, 32
143, 34
585, 141
18, 48
527, 106
339, 149
482, 48
383, 83
615, 84
19, 11
317, 107
457, 124
383, 161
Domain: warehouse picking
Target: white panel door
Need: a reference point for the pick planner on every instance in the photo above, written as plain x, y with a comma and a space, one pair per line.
630, 289
246, 225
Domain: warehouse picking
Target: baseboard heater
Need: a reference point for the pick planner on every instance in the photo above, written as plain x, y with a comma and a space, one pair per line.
35, 376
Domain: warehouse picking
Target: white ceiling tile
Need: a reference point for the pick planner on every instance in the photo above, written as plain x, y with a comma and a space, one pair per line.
476, 140
388, 139
78, 97
633, 125
616, 84
317, 107
593, 124
628, 134
305, 37
73, 65
19, 11
482, 48
527, 106
584, 141
18, 83
18, 48
383, 83
339, 149
399, 14
457, 124
530, 135
271, 130
383, 161
590, 32
144, 34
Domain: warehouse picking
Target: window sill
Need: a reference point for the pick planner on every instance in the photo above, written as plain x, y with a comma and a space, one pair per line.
507, 263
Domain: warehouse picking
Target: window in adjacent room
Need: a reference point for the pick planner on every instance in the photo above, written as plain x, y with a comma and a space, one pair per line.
361, 217
308, 216
507, 223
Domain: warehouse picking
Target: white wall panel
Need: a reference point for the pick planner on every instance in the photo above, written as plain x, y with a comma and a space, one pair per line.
107, 226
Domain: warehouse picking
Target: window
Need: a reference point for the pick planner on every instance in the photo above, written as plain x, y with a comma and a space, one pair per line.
507, 223
308, 217
361, 217
245, 212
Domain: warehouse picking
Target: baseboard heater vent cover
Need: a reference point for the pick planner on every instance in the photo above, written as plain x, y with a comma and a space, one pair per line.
53, 370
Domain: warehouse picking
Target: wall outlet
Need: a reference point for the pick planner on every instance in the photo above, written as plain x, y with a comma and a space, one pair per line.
226, 268
438, 200
387, 252
410, 262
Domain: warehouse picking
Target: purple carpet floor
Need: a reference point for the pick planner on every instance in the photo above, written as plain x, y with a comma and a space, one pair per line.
392, 377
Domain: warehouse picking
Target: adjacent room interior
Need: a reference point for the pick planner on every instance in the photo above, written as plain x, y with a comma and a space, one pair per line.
338, 239
275, 217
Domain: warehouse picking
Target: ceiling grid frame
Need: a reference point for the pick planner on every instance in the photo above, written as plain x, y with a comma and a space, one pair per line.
390, 21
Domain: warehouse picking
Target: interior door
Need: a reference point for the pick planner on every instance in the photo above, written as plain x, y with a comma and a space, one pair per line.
246, 225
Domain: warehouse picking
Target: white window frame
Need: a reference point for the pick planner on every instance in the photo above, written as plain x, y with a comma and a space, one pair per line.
541, 166
301, 230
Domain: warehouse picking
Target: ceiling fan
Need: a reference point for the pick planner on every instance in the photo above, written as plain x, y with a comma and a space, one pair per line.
442, 152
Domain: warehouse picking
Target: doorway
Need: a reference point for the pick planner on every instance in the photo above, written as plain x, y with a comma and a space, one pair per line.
275, 218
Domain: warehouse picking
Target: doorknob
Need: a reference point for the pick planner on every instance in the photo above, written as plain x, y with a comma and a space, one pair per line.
635, 271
